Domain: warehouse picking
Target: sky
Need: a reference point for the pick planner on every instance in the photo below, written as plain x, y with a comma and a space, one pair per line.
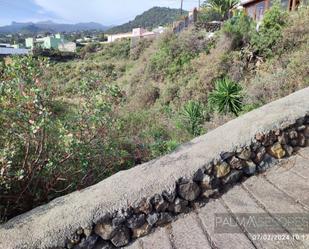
106, 12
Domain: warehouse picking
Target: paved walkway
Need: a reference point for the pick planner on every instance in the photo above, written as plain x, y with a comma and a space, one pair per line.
283, 189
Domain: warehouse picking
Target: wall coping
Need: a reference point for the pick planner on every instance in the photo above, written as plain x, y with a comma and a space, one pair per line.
49, 226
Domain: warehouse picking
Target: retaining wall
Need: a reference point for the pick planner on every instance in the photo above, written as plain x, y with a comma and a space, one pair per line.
130, 203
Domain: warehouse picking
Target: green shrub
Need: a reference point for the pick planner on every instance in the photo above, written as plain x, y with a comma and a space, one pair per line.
138, 49
226, 97
240, 29
269, 32
43, 155
176, 52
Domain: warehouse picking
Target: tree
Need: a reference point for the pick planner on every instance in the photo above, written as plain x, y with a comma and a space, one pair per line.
222, 8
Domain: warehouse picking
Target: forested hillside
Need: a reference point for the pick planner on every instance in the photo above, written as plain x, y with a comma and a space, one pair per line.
65, 126
156, 16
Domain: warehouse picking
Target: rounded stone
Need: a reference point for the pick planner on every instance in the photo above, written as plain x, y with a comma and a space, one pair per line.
283, 138
105, 230
169, 194
269, 139
288, 149
180, 205
152, 218
277, 151
164, 218
259, 156
159, 203
250, 168
245, 154
189, 191
143, 206
233, 177
122, 237
198, 176
293, 134
222, 169
302, 140
141, 231
205, 183
136, 221
211, 193
236, 163
87, 243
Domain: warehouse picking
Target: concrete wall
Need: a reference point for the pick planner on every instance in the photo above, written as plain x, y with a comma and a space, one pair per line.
128, 204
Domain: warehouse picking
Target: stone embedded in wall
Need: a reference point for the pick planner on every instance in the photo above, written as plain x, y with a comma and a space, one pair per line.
159, 203
105, 230
277, 151
180, 206
236, 163
189, 191
259, 155
143, 206
222, 169
152, 219
245, 154
122, 237
232, 177
250, 168
141, 231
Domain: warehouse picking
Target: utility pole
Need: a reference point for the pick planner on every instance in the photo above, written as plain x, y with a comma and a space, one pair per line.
199, 3
181, 7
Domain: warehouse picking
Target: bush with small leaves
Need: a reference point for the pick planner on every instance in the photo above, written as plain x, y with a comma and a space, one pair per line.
269, 32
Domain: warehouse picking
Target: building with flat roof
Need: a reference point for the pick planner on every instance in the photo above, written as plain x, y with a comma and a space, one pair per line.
6, 51
51, 42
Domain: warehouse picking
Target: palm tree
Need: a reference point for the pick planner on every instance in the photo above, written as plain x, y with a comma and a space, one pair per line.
227, 96
221, 7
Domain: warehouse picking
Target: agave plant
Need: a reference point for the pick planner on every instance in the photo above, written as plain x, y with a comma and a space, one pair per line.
192, 116
227, 96
221, 7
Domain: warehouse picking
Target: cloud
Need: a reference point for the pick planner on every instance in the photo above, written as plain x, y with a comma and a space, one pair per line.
103, 11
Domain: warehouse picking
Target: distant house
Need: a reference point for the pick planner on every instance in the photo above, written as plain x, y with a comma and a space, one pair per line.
51, 42
257, 8
115, 37
67, 47
6, 51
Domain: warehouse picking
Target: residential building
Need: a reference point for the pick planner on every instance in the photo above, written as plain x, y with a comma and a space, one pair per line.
50, 42
257, 8
6, 51
114, 37
67, 47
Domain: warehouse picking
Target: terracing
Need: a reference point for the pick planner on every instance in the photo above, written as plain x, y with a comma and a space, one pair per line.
186, 190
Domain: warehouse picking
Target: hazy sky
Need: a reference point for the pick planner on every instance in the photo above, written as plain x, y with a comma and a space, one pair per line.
106, 12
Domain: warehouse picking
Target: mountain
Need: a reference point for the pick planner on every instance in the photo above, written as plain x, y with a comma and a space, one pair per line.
154, 17
50, 26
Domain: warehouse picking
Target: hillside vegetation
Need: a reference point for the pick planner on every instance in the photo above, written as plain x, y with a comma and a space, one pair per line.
65, 126
152, 18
